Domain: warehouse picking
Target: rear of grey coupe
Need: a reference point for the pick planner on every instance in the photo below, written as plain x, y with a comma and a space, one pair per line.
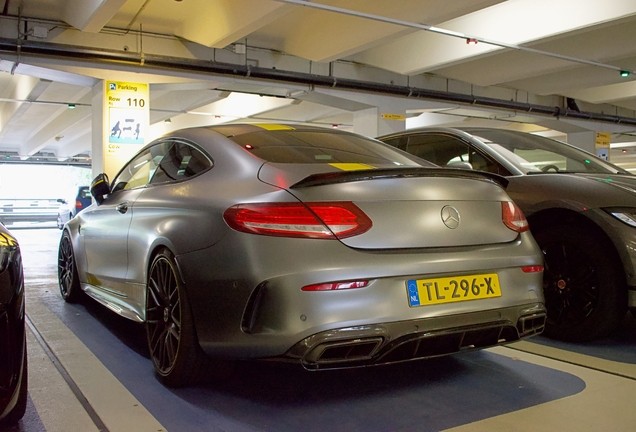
304, 244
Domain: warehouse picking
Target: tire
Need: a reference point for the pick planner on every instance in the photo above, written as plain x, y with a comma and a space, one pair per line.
174, 348
67, 271
20, 407
583, 284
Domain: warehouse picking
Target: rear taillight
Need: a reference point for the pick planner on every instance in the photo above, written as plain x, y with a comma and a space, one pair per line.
532, 269
308, 220
78, 204
513, 217
336, 286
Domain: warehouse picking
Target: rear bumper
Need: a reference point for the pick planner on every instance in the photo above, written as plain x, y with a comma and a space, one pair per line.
247, 301
417, 339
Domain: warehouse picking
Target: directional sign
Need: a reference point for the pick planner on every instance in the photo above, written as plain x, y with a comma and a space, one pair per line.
128, 113
389, 116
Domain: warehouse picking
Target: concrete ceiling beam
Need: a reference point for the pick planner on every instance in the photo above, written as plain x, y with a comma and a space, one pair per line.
431, 51
221, 22
90, 15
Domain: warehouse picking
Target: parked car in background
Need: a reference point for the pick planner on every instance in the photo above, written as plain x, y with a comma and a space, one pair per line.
302, 244
13, 350
581, 210
69, 208
26, 211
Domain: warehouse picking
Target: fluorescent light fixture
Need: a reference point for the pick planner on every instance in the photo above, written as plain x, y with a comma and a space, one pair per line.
622, 145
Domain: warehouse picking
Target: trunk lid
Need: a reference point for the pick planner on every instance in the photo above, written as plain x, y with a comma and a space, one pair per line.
409, 207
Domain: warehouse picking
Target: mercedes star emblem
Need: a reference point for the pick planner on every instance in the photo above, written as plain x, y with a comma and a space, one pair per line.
450, 217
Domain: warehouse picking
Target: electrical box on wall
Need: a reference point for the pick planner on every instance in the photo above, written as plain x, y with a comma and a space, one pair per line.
40, 32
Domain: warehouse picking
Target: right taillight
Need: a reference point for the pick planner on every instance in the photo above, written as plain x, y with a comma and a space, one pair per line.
319, 220
513, 217
532, 269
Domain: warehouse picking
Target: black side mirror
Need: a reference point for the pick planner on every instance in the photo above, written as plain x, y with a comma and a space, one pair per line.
61, 201
100, 187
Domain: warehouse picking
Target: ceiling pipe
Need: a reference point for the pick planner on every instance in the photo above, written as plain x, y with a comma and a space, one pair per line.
112, 57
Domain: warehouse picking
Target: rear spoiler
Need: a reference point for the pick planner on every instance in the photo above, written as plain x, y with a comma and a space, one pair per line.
387, 173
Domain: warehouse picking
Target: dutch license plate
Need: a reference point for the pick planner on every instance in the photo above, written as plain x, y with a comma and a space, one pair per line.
422, 292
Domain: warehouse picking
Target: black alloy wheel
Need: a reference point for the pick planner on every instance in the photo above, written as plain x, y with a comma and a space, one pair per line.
67, 270
582, 284
163, 315
174, 348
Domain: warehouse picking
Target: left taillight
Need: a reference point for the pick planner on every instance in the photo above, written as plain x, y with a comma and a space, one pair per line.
306, 220
513, 217
78, 204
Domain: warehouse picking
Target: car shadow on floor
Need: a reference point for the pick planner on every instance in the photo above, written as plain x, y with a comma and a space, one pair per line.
619, 346
423, 395
128, 332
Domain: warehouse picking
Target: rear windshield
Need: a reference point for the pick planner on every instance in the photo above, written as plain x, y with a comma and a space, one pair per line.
310, 147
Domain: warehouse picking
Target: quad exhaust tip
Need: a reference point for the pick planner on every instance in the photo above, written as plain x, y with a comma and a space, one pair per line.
374, 350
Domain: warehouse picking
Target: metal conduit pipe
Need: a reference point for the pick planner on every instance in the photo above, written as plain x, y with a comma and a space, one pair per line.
69, 52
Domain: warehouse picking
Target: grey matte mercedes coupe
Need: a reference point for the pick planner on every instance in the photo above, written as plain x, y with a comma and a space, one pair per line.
304, 244
581, 210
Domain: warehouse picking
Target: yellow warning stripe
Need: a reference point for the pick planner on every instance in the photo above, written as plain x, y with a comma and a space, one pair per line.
351, 166
272, 127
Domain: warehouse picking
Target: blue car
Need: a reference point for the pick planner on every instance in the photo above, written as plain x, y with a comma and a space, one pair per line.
69, 208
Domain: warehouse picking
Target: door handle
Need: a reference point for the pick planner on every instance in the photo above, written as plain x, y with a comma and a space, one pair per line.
122, 208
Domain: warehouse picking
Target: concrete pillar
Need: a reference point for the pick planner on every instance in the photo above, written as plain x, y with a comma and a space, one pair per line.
583, 140
99, 127
129, 110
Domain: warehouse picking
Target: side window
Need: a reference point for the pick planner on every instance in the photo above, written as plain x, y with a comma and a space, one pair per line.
444, 150
181, 162
399, 142
438, 149
139, 171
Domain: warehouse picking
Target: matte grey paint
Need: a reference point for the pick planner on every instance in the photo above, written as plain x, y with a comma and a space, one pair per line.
222, 268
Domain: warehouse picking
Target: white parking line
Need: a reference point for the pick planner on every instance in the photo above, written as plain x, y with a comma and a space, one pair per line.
117, 408
622, 369
55, 403
606, 404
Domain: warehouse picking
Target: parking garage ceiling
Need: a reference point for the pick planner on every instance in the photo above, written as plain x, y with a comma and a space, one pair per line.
575, 56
